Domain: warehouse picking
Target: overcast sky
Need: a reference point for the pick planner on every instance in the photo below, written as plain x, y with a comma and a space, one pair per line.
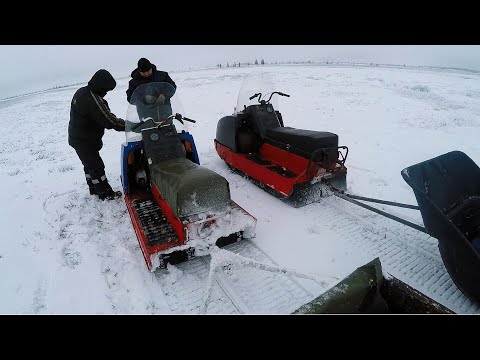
25, 68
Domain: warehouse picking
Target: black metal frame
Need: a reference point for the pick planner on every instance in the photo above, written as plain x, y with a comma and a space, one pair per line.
351, 198
341, 162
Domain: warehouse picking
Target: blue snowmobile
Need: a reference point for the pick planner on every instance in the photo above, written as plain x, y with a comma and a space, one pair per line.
178, 208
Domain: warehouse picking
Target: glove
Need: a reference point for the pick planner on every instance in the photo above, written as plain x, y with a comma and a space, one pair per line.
161, 99
132, 126
149, 99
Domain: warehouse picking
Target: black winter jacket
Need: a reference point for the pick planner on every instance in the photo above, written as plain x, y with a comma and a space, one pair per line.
137, 80
90, 114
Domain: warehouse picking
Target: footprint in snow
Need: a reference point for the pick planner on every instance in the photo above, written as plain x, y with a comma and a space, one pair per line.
72, 258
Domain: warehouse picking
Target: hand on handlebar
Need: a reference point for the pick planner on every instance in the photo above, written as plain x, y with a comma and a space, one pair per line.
161, 99
132, 126
150, 99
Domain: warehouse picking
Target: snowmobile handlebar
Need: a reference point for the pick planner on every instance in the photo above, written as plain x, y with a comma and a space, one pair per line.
176, 116
279, 93
180, 118
273, 93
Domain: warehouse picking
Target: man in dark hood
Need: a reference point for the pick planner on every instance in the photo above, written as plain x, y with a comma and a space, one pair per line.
147, 72
89, 117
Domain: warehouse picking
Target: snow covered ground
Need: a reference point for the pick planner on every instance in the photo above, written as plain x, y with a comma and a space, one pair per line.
62, 251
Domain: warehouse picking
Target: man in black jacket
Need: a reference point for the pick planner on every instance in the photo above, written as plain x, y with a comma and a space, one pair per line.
89, 117
147, 72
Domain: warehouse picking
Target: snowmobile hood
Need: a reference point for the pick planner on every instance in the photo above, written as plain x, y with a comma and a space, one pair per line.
136, 74
102, 82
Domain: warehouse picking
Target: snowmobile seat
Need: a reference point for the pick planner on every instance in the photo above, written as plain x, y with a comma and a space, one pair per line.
303, 142
189, 188
447, 189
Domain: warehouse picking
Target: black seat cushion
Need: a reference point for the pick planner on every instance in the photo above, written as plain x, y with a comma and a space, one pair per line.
307, 141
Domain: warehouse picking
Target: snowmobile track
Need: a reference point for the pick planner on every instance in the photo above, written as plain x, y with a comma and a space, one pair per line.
154, 223
236, 289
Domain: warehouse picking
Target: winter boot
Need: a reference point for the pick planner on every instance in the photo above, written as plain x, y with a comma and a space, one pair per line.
103, 189
109, 195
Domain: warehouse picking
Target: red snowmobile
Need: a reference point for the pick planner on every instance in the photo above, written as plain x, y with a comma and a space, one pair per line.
178, 208
290, 163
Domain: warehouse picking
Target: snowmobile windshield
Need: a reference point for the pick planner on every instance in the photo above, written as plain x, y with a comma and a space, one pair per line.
151, 104
257, 83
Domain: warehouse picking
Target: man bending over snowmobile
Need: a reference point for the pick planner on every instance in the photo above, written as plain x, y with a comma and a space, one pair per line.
89, 117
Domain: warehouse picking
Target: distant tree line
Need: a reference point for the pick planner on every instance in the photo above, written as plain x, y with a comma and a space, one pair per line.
333, 62
239, 64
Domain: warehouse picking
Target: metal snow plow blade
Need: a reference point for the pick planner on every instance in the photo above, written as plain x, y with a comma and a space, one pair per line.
238, 279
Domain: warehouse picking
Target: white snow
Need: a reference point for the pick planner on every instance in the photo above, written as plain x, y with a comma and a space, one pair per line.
63, 251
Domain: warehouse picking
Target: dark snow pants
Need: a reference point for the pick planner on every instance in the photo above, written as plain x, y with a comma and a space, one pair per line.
94, 170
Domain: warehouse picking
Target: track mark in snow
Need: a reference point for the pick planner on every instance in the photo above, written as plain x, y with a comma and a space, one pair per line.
39, 303
71, 258
14, 173
407, 254
184, 289
53, 217
65, 168
233, 288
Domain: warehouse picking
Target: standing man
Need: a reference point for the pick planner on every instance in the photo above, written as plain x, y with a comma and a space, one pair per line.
147, 72
89, 117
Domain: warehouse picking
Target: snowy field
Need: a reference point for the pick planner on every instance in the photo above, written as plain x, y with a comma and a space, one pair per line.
65, 252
